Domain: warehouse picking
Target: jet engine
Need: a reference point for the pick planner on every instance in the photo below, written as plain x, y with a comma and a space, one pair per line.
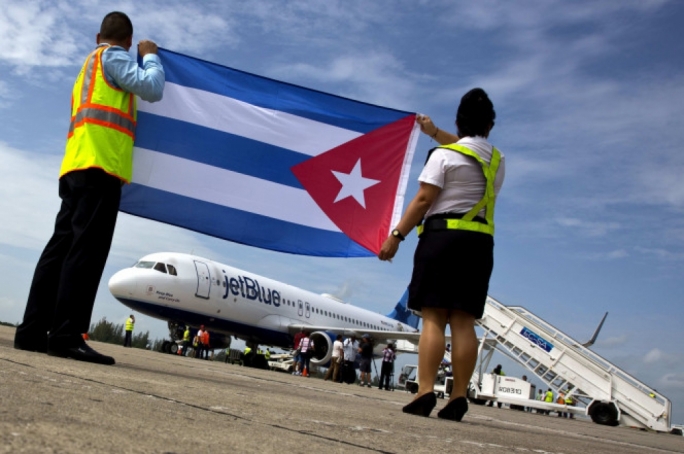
323, 343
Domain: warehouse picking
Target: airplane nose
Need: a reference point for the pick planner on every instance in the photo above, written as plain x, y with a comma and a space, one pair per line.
123, 284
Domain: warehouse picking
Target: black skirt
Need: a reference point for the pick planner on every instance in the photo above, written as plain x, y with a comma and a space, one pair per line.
451, 270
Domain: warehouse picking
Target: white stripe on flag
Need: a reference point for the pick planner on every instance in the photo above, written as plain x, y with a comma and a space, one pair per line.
227, 188
229, 115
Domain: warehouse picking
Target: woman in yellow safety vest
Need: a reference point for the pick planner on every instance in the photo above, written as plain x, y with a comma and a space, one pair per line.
454, 258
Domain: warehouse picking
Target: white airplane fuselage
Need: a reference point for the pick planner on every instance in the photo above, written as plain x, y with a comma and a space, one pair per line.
195, 291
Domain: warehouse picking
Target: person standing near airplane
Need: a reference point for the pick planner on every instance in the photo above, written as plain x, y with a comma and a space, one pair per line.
351, 347
454, 258
297, 357
97, 162
205, 343
306, 347
366, 352
186, 340
200, 343
130, 323
387, 367
335, 360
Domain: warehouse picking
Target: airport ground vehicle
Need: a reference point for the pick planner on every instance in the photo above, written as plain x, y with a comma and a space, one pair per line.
408, 380
600, 389
603, 391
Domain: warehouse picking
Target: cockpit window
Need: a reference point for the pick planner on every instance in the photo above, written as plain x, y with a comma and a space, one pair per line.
144, 264
160, 267
172, 270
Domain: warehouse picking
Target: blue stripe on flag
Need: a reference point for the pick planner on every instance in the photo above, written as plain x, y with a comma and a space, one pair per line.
272, 94
223, 222
218, 149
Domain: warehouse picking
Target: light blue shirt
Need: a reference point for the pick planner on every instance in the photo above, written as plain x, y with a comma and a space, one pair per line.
123, 72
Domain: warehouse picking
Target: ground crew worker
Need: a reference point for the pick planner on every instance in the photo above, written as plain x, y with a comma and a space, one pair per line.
205, 343
570, 401
98, 159
248, 350
130, 324
561, 400
186, 341
267, 354
548, 397
200, 342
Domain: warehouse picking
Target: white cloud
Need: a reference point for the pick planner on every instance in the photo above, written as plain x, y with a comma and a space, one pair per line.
29, 198
588, 228
664, 254
37, 34
373, 77
655, 356
672, 380
612, 342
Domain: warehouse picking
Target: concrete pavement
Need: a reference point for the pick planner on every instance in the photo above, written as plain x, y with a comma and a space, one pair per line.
159, 403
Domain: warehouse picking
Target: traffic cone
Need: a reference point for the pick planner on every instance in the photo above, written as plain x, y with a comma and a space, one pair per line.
305, 372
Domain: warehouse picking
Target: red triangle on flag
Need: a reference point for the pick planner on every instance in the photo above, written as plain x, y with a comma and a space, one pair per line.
370, 167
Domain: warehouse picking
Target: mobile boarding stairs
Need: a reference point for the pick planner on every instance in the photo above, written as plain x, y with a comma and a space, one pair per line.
609, 395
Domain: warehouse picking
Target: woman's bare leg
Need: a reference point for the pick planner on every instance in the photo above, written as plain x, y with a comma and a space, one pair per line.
463, 351
430, 348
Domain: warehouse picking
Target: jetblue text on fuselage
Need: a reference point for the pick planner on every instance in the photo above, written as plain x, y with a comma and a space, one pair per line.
249, 288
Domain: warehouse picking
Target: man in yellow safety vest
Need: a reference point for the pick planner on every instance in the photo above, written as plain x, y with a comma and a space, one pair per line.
97, 162
130, 323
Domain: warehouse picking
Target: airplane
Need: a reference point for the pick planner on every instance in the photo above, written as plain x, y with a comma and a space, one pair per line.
187, 290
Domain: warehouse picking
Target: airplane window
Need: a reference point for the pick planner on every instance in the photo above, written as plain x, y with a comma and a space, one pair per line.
172, 270
160, 267
144, 264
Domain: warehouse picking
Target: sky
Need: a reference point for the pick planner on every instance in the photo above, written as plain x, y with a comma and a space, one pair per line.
589, 99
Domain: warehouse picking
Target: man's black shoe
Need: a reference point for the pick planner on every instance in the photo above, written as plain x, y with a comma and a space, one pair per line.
31, 345
81, 352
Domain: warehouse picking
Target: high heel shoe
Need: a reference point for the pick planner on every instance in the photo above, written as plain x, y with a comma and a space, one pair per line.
454, 410
421, 406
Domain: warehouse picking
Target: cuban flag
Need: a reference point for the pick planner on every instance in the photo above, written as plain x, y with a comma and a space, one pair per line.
269, 164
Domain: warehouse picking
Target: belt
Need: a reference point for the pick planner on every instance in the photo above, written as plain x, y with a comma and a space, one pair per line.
439, 221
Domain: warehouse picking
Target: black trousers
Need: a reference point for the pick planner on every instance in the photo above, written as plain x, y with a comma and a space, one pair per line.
69, 270
385, 372
129, 339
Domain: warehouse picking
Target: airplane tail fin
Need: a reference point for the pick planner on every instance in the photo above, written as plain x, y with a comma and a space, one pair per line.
591, 341
402, 313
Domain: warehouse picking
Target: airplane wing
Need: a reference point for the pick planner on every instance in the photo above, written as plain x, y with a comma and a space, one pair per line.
376, 334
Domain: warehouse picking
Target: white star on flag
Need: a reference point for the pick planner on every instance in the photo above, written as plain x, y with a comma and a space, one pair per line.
353, 184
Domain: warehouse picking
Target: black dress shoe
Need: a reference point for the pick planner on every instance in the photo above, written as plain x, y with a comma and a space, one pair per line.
81, 352
421, 406
40, 347
454, 410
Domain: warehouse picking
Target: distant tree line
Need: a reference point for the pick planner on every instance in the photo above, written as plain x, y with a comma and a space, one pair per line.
113, 333
9, 324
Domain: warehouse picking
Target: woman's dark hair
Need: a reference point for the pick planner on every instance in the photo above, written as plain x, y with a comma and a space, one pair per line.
116, 26
475, 114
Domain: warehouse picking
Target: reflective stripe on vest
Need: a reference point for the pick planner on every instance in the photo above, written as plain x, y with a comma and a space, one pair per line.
103, 120
129, 325
488, 200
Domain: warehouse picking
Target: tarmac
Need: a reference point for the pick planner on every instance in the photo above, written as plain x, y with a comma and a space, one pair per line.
151, 402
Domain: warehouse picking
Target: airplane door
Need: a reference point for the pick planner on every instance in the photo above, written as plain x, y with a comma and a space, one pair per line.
203, 280
300, 306
308, 310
